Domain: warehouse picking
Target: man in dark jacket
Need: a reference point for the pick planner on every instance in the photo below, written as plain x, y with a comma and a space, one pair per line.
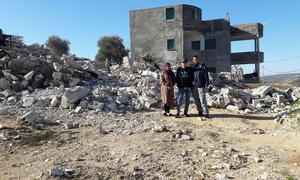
201, 82
184, 80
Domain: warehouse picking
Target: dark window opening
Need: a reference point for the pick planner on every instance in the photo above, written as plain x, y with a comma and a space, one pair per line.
194, 13
196, 45
170, 13
171, 44
210, 44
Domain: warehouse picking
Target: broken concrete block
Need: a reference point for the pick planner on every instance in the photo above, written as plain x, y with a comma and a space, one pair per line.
75, 95
126, 62
262, 91
233, 108
122, 100
74, 82
57, 172
9, 76
28, 101
71, 125
64, 103
151, 103
29, 76
25, 83
55, 101
77, 109
6, 93
35, 119
4, 84
57, 76
57, 67
280, 99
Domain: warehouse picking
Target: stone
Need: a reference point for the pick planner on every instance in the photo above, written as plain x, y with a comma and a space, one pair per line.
38, 81
96, 106
27, 101
219, 176
4, 84
264, 176
280, 99
57, 172
69, 172
77, 109
57, 76
185, 137
11, 100
159, 128
25, 83
257, 160
75, 95
150, 73
9, 76
64, 103
233, 108
55, 101
35, 119
6, 93
83, 104
122, 100
29, 76
57, 67
151, 103
74, 82
126, 62
71, 125
262, 91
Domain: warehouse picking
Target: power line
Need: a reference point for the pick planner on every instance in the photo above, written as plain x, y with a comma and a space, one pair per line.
284, 59
277, 72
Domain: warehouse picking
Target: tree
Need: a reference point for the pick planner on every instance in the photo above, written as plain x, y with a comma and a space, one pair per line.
58, 46
111, 48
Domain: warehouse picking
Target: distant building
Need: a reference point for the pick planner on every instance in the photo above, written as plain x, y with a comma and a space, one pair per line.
175, 32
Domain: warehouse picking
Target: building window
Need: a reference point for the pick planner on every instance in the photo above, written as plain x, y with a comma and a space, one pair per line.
170, 13
210, 44
171, 44
196, 45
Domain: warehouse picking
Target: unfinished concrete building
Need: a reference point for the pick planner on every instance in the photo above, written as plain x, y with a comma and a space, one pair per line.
175, 32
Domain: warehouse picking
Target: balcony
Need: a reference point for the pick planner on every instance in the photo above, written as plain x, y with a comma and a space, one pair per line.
247, 58
246, 31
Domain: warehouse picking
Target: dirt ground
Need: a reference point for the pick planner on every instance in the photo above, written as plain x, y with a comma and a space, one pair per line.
227, 146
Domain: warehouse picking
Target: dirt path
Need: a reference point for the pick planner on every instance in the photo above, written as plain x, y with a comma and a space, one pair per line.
222, 147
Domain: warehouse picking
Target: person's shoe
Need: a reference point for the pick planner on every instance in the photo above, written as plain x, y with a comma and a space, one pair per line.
207, 116
186, 115
177, 116
169, 114
165, 114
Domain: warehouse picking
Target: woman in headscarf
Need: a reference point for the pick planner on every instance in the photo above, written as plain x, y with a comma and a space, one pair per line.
167, 82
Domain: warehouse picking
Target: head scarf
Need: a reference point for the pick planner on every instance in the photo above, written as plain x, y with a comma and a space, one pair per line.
169, 73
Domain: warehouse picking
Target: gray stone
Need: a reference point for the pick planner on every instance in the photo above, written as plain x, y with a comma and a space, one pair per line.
262, 91
57, 172
25, 83
83, 104
57, 67
55, 101
122, 100
35, 119
57, 76
233, 108
28, 101
6, 93
71, 125
11, 100
185, 137
151, 103
74, 82
4, 84
280, 99
75, 95
29, 76
9, 76
77, 109
64, 103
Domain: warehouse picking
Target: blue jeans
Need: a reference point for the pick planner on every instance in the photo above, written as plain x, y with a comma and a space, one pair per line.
203, 102
183, 93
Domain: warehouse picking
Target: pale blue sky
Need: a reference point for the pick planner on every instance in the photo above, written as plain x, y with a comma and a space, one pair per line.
83, 22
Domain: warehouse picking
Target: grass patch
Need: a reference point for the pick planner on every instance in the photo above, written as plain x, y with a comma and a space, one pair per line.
290, 178
37, 139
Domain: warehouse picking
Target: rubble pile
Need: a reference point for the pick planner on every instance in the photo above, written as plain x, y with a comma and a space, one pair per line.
234, 96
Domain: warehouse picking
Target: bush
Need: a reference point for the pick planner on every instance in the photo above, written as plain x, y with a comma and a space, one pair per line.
111, 48
58, 46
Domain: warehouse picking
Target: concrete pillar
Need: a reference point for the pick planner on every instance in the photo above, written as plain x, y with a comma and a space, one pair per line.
257, 64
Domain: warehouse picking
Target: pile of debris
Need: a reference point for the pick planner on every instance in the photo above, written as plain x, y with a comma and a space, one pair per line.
234, 96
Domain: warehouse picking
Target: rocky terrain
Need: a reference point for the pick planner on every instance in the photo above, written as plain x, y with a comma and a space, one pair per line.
62, 118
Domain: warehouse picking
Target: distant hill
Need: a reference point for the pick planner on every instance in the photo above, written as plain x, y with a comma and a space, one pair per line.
293, 79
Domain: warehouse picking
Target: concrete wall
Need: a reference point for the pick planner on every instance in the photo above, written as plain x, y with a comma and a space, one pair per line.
150, 31
190, 36
220, 57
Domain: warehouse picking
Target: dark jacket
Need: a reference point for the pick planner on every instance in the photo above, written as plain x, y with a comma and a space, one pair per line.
184, 77
201, 78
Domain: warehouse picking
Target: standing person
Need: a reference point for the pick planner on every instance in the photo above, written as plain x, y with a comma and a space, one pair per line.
167, 82
201, 82
184, 80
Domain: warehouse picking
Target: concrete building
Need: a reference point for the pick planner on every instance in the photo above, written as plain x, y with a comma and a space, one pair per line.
175, 32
